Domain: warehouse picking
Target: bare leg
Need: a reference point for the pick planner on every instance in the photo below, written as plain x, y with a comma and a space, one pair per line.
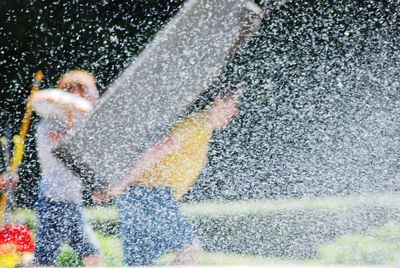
93, 260
188, 255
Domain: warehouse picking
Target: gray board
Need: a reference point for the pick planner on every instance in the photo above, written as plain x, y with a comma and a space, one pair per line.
147, 98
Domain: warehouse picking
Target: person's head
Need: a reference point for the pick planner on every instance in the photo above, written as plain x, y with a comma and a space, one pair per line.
222, 111
81, 83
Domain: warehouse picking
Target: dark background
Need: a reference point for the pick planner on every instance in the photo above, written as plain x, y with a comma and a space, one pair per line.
318, 116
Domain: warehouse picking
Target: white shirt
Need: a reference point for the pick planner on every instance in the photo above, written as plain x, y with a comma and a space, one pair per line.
58, 183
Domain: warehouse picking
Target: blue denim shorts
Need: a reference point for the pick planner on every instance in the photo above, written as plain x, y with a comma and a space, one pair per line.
151, 225
62, 222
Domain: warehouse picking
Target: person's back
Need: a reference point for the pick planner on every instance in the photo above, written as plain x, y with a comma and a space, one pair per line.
179, 169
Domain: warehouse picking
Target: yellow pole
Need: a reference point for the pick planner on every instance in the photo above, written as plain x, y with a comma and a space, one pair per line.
19, 139
18, 150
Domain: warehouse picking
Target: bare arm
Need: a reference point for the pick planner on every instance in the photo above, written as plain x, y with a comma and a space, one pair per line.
149, 158
2, 181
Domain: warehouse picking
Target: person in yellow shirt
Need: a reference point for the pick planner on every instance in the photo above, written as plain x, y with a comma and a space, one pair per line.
151, 221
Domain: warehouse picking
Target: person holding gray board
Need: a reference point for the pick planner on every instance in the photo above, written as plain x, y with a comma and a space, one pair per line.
151, 221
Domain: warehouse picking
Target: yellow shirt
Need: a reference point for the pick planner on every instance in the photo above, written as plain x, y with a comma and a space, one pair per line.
179, 168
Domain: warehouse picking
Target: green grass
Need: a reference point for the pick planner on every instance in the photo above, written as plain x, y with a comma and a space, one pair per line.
112, 250
110, 247
378, 246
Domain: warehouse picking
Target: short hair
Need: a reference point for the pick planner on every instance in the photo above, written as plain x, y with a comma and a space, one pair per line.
77, 76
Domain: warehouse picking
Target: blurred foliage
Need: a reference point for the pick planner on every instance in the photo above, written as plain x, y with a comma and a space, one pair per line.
110, 246
377, 246
67, 258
